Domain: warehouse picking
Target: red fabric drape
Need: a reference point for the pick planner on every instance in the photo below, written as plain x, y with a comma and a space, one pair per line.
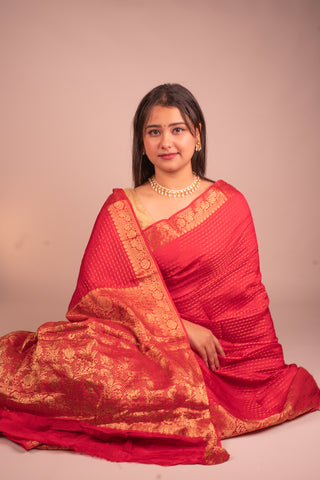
119, 380
208, 257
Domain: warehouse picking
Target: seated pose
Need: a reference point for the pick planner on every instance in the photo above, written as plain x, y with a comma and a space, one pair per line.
168, 346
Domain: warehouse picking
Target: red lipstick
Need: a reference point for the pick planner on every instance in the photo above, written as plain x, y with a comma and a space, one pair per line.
168, 156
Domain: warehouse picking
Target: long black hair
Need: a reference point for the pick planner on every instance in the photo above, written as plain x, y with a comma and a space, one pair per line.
167, 95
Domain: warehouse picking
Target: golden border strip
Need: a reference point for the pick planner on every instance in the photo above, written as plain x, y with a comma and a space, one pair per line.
187, 219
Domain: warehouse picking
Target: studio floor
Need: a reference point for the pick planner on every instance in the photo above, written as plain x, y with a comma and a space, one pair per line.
289, 451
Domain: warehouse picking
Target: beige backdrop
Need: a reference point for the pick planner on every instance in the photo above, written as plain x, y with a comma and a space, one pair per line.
72, 74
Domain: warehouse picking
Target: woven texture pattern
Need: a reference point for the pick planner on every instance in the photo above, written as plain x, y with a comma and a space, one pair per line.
112, 381
119, 380
208, 256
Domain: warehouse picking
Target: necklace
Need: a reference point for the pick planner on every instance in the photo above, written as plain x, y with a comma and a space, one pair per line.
175, 193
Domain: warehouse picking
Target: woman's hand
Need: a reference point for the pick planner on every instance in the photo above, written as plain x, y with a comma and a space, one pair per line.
204, 343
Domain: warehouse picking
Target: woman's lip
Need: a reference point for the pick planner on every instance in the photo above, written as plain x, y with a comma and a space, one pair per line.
168, 156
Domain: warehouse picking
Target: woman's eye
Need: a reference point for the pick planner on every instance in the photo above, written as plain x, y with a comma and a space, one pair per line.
178, 130
153, 132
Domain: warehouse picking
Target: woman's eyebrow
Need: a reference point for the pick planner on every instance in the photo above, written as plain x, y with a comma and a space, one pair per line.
170, 125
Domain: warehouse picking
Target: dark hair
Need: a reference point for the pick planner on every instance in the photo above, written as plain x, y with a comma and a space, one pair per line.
167, 95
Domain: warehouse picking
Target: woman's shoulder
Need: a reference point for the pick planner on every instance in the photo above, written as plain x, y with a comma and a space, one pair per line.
117, 194
225, 189
236, 199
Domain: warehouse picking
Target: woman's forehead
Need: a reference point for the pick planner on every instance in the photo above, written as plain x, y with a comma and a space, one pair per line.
163, 116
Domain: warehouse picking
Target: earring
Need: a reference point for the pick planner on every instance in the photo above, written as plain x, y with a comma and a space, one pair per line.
198, 146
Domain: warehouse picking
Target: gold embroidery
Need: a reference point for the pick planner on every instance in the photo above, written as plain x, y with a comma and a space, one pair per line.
230, 426
182, 222
122, 362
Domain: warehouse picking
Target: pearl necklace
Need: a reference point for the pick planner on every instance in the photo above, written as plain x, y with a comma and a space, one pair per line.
175, 193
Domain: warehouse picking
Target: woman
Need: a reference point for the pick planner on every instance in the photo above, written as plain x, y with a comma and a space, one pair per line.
169, 346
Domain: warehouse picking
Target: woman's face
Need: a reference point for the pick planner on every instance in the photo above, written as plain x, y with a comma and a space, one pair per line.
168, 142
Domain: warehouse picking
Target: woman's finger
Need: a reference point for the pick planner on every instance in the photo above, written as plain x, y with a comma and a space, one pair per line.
203, 354
212, 356
218, 346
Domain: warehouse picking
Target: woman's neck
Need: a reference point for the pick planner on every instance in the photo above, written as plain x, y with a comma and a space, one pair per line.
174, 180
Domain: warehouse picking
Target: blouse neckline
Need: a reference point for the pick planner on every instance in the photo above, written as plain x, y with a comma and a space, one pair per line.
148, 220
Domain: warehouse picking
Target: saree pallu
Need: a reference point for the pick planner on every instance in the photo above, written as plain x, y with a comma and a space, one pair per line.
119, 379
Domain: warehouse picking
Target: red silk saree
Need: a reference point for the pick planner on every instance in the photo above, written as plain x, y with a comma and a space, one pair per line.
119, 380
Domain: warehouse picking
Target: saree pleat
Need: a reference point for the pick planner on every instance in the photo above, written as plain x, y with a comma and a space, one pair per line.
119, 380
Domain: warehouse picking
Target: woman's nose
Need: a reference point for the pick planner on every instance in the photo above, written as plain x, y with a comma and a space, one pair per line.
166, 140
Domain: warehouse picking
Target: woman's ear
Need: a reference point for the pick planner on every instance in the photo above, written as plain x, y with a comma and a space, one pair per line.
198, 131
